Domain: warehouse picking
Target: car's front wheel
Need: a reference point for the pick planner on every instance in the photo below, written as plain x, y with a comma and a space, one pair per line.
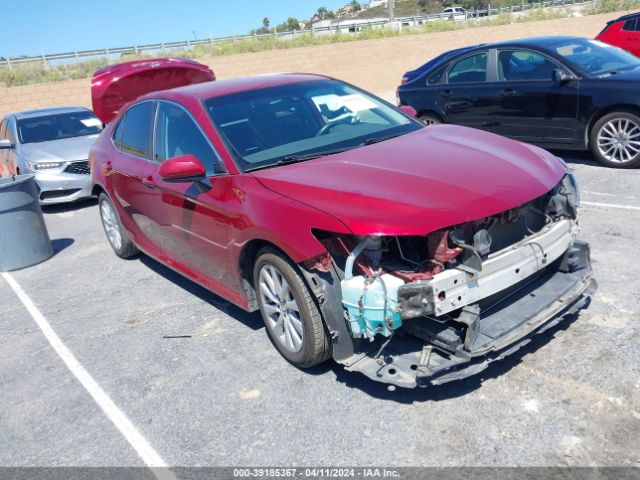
615, 140
117, 236
289, 311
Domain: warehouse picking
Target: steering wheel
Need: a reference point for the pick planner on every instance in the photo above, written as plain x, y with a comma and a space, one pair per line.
352, 120
327, 128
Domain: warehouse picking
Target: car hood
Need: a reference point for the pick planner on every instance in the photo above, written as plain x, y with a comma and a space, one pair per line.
632, 75
423, 181
74, 148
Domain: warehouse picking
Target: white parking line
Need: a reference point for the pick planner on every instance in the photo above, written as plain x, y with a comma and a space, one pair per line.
610, 205
140, 444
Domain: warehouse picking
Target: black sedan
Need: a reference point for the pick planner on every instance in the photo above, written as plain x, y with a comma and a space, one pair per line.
558, 92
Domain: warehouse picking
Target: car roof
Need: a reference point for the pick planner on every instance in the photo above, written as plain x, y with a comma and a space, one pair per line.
48, 111
218, 88
531, 41
629, 16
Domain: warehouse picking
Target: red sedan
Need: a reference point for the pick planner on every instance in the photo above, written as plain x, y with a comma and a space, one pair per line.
413, 255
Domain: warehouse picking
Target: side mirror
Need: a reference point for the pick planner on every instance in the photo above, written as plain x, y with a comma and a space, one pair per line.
185, 168
5, 144
560, 76
409, 110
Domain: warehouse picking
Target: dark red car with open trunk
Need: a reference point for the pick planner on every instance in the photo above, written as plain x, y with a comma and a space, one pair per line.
413, 255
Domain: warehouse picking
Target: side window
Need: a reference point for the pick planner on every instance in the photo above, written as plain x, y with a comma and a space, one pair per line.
515, 65
137, 130
630, 25
471, 69
117, 133
436, 77
177, 134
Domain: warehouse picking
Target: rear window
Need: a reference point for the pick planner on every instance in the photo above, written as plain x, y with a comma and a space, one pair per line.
57, 127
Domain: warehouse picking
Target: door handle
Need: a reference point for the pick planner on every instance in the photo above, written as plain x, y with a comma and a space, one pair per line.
149, 183
446, 93
507, 92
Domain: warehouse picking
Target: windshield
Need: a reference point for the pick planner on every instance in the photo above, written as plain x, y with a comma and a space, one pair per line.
296, 122
58, 126
594, 57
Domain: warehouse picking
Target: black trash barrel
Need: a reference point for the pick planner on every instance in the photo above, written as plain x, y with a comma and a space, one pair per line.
24, 240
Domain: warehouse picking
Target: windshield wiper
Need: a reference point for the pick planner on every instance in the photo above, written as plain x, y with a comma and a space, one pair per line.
371, 141
288, 159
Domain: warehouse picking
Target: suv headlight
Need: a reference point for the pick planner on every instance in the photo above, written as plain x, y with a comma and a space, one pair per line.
37, 166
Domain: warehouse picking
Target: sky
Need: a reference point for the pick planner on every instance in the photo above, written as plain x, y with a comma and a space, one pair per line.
34, 27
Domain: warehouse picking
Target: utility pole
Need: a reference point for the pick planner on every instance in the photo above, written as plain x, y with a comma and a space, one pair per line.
392, 17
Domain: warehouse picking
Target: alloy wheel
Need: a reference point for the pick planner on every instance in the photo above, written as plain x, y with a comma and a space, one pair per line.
618, 140
280, 308
111, 225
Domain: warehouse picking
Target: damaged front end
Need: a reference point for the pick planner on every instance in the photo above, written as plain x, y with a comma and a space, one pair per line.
420, 310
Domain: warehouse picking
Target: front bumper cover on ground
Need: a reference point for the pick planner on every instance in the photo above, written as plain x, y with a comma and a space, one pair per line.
550, 297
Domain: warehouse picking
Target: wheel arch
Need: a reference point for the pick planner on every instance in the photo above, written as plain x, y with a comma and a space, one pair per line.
97, 189
428, 111
605, 111
246, 262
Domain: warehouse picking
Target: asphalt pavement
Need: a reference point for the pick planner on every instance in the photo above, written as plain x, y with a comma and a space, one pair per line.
201, 383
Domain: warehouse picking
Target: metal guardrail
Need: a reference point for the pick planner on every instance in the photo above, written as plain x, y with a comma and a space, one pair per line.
343, 26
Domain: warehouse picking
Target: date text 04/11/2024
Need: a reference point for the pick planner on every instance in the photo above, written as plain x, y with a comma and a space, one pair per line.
315, 472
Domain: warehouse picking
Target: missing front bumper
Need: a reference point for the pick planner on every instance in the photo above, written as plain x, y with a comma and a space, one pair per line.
429, 355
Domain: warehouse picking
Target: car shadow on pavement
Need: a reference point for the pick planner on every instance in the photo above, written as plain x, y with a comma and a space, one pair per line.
68, 207
59, 244
251, 320
455, 388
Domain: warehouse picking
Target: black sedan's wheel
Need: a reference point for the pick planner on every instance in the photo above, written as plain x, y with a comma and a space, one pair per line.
428, 119
615, 140
117, 236
290, 314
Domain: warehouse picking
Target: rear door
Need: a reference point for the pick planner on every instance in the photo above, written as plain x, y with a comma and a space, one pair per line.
530, 105
466, 96
132, 170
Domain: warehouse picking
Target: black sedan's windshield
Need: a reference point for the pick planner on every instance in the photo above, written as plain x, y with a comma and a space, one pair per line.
300, 121
56, 127
594, 57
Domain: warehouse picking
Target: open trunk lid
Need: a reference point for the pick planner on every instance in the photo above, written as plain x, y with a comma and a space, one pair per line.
115, 85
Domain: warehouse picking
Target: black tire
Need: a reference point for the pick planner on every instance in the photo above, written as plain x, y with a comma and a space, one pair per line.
429, 119
601, 137
125, 248
315, 346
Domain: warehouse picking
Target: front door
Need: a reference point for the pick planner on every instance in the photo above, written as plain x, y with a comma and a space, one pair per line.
196, 222
530, 105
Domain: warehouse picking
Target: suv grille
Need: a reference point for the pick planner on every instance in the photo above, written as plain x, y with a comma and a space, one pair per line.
79, 168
